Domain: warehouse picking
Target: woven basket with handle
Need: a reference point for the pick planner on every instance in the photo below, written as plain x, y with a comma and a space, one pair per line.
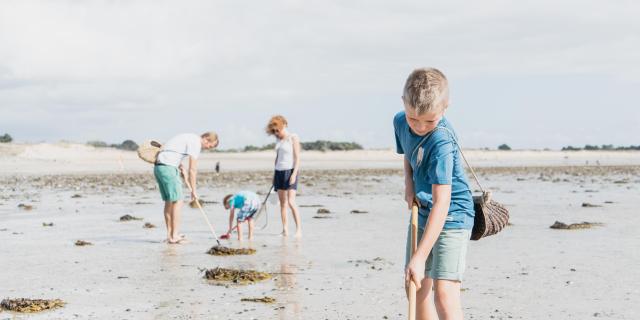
148, 151
490, 216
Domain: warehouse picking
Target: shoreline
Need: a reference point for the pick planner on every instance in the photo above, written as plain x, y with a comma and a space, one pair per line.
43, 159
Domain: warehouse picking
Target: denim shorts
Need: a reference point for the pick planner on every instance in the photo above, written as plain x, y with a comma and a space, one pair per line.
281, 180
447, 259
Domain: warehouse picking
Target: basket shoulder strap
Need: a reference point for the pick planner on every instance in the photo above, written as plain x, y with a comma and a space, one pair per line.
475, 177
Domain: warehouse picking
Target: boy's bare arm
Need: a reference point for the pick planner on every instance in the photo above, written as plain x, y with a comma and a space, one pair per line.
437, 218
408, 183
193, 167
231, 214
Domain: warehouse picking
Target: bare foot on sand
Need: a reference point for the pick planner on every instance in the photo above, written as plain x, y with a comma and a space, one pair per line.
284, 233
298, 233
178, 241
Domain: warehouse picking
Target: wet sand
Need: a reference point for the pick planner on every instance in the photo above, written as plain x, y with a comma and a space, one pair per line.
347, 267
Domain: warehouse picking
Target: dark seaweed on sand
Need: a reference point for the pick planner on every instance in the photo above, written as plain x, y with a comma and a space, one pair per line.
236, 276
82, 243
128, 217
574, 226
224, 251
264, 299
30, 305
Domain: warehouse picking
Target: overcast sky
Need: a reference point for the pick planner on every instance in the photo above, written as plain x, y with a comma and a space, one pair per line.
532, 75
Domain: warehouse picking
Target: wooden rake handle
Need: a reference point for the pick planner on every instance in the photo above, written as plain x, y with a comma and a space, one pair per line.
215, 236
414, 245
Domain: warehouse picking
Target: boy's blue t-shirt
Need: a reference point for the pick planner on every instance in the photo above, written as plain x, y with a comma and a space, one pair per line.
240, 199
440, 163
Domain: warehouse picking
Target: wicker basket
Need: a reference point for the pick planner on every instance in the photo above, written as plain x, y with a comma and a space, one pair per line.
149, 150
490, 218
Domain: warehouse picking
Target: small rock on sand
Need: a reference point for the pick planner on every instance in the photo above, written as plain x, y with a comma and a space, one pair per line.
355, 211
76, 196
149, 225
323, 211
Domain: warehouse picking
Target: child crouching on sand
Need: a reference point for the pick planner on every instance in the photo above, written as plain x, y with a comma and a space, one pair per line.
247, 204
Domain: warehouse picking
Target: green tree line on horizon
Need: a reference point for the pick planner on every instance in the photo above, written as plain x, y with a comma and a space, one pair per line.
604, 147
318, 145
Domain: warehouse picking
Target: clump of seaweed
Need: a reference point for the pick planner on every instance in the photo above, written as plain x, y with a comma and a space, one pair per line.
224, 251
25, 206
82, 243
264, 299
236, 276
356, 211
573, 226
194, 204
149, 225
47, 224
30, 305
128, 217
590, 205
323, 211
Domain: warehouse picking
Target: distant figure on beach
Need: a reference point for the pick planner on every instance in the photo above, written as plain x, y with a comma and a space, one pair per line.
287, 166
243, 205
435, 178
217, 167
169, 168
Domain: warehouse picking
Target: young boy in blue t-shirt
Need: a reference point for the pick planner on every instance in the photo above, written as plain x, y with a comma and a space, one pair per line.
435, 178
243, 205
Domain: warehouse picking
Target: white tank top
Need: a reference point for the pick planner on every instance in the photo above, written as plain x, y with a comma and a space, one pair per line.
284, 151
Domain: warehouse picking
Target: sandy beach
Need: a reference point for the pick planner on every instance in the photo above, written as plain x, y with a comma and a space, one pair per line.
346, 266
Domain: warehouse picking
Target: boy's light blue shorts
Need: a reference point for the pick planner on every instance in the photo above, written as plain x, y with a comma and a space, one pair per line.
169, 182
447, 259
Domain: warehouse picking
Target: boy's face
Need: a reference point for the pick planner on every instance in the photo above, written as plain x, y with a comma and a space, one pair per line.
421, 124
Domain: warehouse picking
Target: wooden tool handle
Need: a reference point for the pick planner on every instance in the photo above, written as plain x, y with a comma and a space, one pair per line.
414, 245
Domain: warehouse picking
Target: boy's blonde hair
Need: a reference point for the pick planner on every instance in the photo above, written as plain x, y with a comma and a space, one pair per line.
212, 136
426, 90
276, 122
225, 200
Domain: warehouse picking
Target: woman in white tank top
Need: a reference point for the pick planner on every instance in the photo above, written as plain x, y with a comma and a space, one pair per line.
287, 165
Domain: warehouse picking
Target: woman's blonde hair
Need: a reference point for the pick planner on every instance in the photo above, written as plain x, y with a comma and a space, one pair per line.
276, 122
